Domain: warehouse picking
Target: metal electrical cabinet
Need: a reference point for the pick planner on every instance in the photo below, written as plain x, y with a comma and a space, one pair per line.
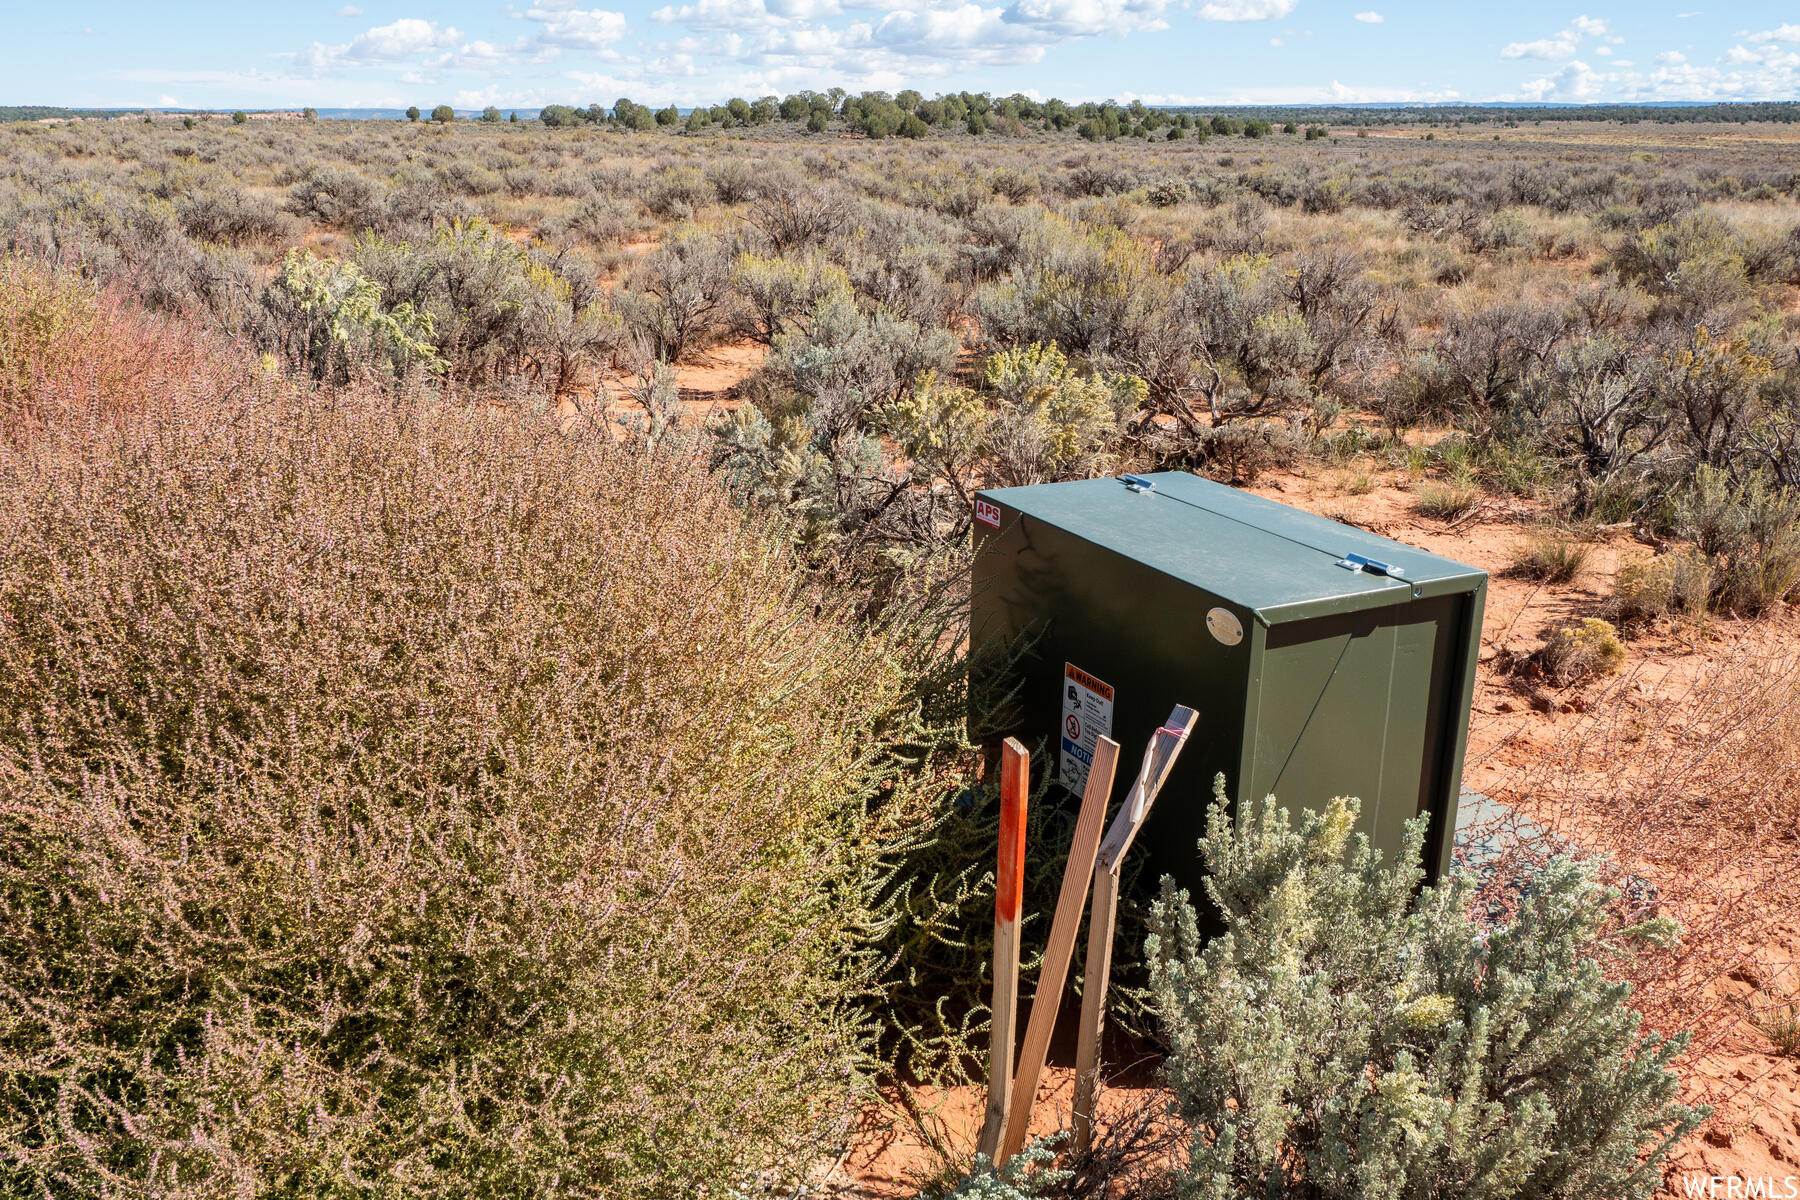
1324, 661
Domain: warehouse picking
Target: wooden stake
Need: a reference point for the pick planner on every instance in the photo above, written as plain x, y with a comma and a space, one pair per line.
1069, 902
1159, 760
1009, 894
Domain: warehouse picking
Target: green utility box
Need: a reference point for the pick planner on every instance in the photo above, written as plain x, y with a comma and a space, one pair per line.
1324, 661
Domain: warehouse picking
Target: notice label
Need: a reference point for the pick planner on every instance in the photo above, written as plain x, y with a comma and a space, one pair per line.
987, 512
1087, 712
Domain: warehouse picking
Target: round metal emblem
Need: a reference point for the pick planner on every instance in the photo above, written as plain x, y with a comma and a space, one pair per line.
1223, 624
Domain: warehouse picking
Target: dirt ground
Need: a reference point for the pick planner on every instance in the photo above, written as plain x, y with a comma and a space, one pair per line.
1514, 732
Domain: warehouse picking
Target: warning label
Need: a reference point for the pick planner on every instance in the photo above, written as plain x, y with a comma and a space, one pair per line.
1087, 712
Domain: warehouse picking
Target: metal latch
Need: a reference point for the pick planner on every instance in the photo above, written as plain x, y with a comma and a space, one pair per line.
1138, 483
1362, 562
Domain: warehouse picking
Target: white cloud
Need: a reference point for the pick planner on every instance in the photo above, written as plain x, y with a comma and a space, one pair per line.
1760, 72
1370, 18
1560, 46
350, 10
1087, 18
571, 28
1603, 51
404, 40
1565, 44
1785, 33
167, 101
745, 14
1331, 93
1246, 10
1576, 81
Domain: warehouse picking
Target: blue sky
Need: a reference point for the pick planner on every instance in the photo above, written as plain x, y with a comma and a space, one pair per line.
384, 53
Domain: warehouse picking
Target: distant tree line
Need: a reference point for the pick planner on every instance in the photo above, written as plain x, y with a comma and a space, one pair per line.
911, 114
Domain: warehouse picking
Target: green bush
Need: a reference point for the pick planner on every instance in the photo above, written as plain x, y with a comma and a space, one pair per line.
1678, 584
1581, 651
1750, 530
1552, 556
1027, 1175
328, 319
1348, 1035
406, 797
1451, 500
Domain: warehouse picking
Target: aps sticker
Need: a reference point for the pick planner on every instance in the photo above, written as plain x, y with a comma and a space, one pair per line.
1087, 714
987, 512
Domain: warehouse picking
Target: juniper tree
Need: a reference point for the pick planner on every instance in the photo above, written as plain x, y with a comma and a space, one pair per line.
1349, 1035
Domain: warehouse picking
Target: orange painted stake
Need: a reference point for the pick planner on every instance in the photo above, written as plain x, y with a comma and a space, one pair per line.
1070, 902
1009, 896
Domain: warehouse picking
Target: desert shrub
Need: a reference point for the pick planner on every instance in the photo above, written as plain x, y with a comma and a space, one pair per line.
948, 192
1584, 650
1448, 500
782, 294
335, 197
901, 262
420, 205
1780, 1023
1028, 1175
1040, 420
1694, 263
1348, 1034
1552, 555
792, 214
1504, 230
1332, 293
1240, 451
1326, 195
233, 217
1677, 584
1257, 342
1094, 292
469, 179
1016, 184
679, 296
603, 220
733, 180
1717, 388
521, 182
69, 347
1597, 411
1166, 193
413, 796
329, 318
846, 362
810, 448
480, 290
1751, 531
677, 194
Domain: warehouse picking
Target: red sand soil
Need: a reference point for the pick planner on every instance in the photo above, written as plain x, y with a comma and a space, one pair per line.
1756, 1133
709, 383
